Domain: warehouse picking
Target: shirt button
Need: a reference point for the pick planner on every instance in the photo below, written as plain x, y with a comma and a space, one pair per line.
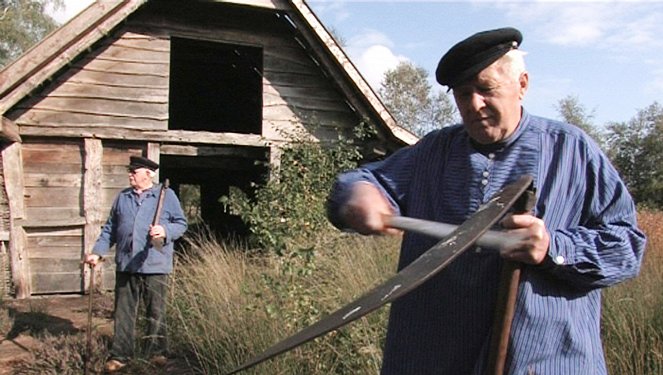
486, 173
484, 182
559, 260
491, 156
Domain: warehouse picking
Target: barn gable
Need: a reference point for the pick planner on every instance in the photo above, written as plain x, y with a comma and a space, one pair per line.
207, 88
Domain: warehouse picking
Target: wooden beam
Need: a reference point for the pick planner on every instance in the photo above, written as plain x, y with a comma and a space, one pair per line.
154, 154
12, 165
221, 150
9, 130
170, 136
92, 195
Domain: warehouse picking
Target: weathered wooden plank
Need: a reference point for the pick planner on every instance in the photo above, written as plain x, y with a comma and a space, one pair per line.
81, 90
138, 67
321, 92
52, 180
115, 181
51, 106
52, 241
116, 154
52, 152
193, 150
286, 114
55, 123
53, 197
89, 77
48, 215
51, 222
104, 131
53, 169
12, 164
65, 282
315, 104
93, 178
12, 167
55, 252
55, 265
154, 154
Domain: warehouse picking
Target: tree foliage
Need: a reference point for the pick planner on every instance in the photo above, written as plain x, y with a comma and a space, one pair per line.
573, 112
22, 24
409, 97
636, 149
288, 214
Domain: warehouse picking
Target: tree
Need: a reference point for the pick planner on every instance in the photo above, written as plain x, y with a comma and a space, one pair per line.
408, 95
574, 113
636, 149
22, 24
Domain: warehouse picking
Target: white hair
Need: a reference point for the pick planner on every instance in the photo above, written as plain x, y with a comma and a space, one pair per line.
151, 173
514, 63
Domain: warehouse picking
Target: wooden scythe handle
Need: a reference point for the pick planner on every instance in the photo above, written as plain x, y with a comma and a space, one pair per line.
506, 301
158, 243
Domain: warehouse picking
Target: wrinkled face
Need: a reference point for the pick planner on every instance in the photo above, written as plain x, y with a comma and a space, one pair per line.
490, 103
140, 178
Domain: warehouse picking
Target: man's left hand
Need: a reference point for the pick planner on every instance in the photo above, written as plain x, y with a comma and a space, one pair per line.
533, 247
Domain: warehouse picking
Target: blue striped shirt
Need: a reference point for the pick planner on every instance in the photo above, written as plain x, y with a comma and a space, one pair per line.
444, 326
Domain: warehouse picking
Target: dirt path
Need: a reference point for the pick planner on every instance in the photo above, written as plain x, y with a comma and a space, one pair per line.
52, 315
21, 321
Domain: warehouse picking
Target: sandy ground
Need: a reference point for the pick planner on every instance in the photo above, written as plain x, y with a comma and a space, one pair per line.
57, 315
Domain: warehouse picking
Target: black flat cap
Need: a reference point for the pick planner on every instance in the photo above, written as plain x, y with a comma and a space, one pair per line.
136, 162
472, 55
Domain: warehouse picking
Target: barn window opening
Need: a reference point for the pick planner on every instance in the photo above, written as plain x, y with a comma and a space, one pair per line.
215, 87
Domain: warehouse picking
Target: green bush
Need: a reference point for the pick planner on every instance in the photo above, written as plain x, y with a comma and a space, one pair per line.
288, 213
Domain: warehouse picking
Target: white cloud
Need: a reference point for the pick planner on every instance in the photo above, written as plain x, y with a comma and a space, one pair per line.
70, 9
616, 26
372, 52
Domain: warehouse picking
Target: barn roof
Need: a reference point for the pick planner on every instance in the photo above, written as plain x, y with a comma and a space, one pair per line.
40, 63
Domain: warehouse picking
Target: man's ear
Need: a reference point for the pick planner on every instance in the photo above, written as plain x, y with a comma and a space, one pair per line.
523, 81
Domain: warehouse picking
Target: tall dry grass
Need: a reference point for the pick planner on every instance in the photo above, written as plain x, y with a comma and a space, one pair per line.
229, 306
632, 323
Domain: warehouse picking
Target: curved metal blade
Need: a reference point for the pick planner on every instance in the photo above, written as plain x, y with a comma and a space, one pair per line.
417, 272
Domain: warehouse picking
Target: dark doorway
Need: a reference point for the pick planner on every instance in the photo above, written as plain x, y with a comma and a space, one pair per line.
208, 178
215, 87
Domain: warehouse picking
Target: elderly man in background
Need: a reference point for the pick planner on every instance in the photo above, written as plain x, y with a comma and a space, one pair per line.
581, 236
142, 268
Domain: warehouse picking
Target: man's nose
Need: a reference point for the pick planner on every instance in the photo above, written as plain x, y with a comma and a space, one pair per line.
477, 101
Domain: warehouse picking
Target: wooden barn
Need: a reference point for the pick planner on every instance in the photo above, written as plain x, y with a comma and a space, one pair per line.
206, 88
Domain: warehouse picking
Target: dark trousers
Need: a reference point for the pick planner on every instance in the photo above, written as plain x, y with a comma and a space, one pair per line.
130, 289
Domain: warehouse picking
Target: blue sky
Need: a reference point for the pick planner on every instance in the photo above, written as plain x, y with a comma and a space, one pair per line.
609, 54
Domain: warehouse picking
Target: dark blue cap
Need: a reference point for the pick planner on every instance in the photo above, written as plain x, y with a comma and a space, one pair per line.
136, 162
472, 55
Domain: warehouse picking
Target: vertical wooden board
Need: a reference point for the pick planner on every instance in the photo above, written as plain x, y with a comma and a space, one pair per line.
92, 196
12, 164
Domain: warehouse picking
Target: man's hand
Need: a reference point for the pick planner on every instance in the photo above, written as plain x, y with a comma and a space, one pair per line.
92, 259
533, 247
367, 210
157, 231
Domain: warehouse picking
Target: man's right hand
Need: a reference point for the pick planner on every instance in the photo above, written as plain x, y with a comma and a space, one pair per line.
92, 259
367, 210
